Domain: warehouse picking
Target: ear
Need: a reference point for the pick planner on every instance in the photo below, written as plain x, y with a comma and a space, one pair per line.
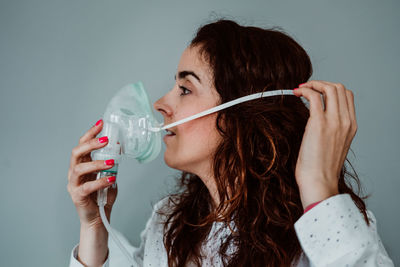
220, 123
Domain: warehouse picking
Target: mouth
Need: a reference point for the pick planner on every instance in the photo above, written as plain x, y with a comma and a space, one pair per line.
169, 132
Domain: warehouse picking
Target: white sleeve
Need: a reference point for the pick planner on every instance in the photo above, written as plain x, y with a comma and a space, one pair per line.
116, 257
334, 233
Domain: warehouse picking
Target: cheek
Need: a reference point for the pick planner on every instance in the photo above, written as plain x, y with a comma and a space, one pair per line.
200, 133
195, 143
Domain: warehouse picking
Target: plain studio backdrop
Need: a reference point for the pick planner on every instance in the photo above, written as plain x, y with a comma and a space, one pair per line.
62, 61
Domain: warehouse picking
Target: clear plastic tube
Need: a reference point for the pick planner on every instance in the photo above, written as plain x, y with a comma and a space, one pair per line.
101, 202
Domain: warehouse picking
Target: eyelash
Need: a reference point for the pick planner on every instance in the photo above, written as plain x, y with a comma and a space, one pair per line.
183, 89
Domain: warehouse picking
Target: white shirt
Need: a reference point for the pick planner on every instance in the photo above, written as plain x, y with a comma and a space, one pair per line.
333, 233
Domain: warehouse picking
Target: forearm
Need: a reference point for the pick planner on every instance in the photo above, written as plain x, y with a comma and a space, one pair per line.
93, 248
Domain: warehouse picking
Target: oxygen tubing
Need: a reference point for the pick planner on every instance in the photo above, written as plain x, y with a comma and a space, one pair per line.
101, 201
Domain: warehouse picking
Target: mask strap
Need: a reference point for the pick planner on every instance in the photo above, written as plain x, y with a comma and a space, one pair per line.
223, 106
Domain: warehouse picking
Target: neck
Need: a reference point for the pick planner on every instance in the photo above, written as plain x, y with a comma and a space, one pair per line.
208, 179
212, 189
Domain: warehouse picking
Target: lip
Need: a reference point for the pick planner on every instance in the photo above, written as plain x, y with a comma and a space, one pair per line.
167, 137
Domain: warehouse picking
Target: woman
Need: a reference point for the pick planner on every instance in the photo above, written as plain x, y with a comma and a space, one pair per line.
249, 172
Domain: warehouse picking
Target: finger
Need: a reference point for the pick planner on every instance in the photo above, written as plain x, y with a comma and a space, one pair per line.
330, 96
84, 149
92, 132
93, 186
352, 110
344, 109
343, 105
314, 99
89, 167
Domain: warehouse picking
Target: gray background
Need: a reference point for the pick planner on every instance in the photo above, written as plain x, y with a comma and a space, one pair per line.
61, 61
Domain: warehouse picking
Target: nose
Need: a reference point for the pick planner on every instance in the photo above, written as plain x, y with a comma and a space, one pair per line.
161, 106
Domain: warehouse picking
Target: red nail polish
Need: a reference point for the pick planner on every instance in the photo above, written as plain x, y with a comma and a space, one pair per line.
109, 162
295, 88
111, 179
103, 139
301, 84
98, 122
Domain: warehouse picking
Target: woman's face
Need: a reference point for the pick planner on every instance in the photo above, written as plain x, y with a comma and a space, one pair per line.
191, 148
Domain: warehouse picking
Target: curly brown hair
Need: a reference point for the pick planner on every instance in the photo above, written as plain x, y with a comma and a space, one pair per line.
256, 159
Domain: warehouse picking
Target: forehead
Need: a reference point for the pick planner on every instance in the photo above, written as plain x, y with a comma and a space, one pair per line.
191, 60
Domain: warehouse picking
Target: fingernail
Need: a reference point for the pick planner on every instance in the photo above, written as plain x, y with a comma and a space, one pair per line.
98, 122
295, 88
103, 139
111, 179
301, 84
109, 162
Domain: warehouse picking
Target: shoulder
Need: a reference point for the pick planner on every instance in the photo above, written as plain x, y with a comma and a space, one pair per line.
162, 208
165, 204
155, 225
162, 204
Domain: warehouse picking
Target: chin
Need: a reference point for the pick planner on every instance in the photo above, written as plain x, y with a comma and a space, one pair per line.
169, 160
174, 163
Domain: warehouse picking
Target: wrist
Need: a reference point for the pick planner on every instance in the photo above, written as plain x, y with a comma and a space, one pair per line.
94, 227
315, 193
94, 221
311, 206
93, 245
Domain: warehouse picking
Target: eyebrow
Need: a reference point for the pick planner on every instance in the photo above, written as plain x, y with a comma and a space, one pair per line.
183, 74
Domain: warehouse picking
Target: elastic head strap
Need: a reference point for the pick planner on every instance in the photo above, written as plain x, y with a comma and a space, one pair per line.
224, 106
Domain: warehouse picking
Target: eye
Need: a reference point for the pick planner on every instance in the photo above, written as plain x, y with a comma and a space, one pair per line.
184, 90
